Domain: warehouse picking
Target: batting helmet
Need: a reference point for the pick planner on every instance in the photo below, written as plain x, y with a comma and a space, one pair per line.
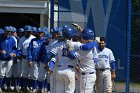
65, 27
87, 34
69, 33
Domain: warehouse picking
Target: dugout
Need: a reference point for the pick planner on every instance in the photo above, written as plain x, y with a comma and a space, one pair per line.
19, 13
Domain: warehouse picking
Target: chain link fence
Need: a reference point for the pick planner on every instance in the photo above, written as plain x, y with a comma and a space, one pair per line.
64, 16
135, 48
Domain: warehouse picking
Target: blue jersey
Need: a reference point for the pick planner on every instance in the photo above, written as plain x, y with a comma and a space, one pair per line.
43, 51
9, 45
34, 48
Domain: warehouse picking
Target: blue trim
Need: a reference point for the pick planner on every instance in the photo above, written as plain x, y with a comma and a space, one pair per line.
96, 60
128, 46
51, 64
113, 66
89, 46
71, 55
52, 15
48, 57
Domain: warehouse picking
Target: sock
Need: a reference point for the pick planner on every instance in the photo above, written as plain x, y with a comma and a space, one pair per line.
1, 79
8, 82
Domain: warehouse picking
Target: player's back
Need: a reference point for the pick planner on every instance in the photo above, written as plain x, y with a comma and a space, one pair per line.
61, 50
86, 60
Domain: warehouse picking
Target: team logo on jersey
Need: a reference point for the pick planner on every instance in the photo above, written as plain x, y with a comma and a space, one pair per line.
35, 44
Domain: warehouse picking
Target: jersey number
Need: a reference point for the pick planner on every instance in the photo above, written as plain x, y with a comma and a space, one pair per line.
64, 52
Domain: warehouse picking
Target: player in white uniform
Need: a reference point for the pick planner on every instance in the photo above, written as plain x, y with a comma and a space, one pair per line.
53, 75
86, 62
65, 80
106, 71
23, 45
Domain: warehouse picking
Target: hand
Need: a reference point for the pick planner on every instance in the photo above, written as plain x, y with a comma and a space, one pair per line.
113, 75
46, 66
69, 44
49, 71
38, 65
24, 56
77, 69
30, 64
12, 55
78, 27
3, 52
76, 77
15, 61
97, 39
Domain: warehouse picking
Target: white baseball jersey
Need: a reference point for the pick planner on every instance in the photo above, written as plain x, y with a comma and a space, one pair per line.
105, 58
87, 66
24, 44
50, 46
52, 42
61, 51
64, 72
86, 58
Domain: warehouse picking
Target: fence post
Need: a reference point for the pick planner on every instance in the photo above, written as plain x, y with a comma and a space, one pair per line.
52, 15
128, 46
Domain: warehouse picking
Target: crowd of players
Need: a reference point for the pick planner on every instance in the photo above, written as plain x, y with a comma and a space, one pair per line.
63, 60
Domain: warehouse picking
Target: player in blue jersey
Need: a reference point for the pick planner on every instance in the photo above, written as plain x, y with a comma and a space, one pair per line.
7, 54
33, 56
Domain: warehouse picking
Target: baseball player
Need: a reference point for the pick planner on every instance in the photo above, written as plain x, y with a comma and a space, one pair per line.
54, 40
33, 56
106, 71
42, 72
86, 62
17, 64
65, 80
20, 32
23, 46
7, 53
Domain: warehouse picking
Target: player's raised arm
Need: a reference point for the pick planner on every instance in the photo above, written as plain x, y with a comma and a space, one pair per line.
78, 27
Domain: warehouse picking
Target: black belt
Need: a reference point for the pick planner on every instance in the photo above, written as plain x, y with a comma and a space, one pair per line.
24, 56
101, 69
6, 59
87, 73
68, 66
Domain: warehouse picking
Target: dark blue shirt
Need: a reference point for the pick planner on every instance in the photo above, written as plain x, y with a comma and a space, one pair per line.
8, 44
34, 48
